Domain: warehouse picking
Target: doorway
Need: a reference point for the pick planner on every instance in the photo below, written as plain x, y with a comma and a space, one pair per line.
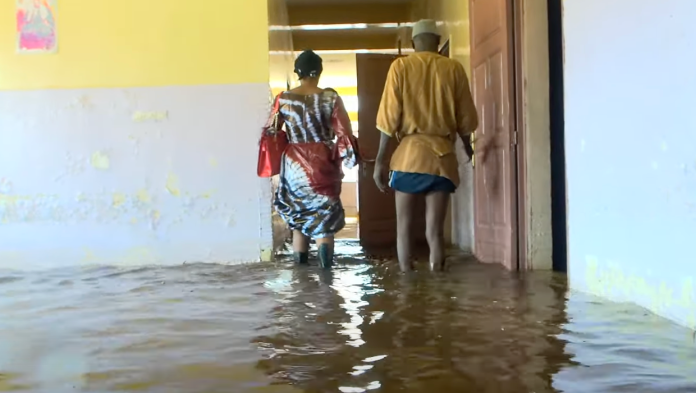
377, 226
504, 38
494, 83
557, 138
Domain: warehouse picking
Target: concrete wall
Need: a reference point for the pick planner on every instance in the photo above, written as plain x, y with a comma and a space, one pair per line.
349, 198
631, 151
537, 128
136, 142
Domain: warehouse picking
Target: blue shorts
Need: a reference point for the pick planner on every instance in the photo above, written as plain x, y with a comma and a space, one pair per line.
419, 183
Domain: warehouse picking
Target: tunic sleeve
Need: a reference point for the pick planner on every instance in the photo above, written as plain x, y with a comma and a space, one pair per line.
391, 105
346, 143
467, 118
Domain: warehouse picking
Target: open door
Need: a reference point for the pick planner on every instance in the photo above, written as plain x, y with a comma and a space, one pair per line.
377, 210
495, 195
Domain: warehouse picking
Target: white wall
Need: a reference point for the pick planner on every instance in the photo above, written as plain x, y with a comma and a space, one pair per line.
349, 198
157, 175
630, 85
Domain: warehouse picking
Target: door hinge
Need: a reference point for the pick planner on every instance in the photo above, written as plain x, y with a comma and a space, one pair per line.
514, 138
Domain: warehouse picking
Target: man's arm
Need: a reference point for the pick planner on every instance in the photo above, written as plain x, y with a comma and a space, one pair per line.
388, 119
467, 117
383, 143
390, 107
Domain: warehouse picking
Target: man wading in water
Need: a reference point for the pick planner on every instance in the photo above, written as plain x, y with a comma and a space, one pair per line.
426, 104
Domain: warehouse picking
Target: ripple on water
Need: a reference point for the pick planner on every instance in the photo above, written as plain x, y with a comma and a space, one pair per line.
359, 328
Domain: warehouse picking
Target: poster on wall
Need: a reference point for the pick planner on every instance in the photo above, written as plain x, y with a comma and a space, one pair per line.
36, 26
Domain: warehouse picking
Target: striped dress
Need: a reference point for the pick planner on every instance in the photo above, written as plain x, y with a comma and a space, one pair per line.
308, 196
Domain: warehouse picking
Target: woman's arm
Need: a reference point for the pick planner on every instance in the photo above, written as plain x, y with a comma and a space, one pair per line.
346, 144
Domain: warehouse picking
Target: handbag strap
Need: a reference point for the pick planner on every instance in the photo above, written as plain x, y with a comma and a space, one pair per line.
276, 111
276, 104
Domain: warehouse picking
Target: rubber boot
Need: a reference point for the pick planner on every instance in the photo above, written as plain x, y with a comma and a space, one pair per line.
325, 256
301, 258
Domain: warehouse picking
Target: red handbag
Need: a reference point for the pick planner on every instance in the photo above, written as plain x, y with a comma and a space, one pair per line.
272, 146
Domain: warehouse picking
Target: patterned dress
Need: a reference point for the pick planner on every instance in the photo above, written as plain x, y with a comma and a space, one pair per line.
308, 196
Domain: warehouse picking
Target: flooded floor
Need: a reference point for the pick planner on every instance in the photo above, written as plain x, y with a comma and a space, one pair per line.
362, 327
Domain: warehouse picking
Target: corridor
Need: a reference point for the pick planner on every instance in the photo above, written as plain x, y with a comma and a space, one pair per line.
204, 328
137, 243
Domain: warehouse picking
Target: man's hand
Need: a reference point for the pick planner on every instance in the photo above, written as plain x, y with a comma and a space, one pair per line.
379, 171
468, 148
378, 176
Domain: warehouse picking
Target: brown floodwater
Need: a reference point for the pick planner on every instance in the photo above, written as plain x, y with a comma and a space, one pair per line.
363, 327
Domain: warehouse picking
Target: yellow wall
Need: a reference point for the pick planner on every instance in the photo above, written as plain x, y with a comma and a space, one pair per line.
455, 17
280, 44
125, 43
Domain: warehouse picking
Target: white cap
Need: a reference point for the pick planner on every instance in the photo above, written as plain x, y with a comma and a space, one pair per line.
424, 26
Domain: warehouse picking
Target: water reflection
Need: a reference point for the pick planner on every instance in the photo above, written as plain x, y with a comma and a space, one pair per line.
359, 328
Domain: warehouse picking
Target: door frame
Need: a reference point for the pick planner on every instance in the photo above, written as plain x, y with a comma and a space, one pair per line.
532, 106
520, 17
520, 221
449, 227
445, 49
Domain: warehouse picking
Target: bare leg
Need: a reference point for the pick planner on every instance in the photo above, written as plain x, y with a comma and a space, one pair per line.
325, 249
404, 219
435, 211
300, 246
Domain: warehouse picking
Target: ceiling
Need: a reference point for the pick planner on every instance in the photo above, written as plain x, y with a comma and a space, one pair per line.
343, 2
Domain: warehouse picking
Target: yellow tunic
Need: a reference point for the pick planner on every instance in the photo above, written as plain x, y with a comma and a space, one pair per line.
425, 104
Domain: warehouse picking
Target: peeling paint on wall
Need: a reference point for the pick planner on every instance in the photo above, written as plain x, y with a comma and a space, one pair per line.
83, 102
610, 280
118, 199
143, 196
100, 161
148, 116
172, 185
94, 179
116, 207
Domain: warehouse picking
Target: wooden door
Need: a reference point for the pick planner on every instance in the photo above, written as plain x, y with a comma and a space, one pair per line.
377, 211
495, 190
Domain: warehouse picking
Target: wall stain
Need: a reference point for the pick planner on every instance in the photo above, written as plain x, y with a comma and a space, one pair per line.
105, 207
83, 102
267, 255
100, 161
155, 216
609, 280
140, 116
118, 199
74, 166
172, 185
143, 196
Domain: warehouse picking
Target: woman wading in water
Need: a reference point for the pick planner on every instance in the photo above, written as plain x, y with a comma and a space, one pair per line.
308, 197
